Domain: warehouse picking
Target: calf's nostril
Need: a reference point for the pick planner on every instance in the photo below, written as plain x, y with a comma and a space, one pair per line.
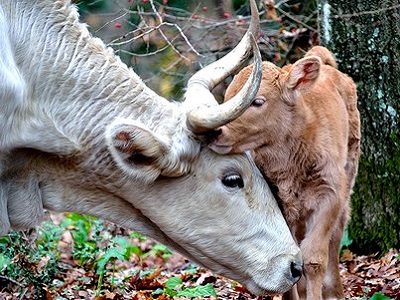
213, 134
296, 270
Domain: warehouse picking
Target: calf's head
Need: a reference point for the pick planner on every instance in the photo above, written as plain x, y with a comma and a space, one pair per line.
276, 109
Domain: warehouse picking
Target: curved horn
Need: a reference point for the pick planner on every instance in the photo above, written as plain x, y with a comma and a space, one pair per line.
207, 118
209, 115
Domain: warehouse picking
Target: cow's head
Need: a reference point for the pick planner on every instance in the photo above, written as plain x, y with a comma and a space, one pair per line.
102, 143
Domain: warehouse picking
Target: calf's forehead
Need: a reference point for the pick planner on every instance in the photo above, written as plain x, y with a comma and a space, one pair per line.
238, 82
270, 78
270, 74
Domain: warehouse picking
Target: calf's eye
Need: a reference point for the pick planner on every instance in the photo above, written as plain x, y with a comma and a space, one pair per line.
233, 181
259, 101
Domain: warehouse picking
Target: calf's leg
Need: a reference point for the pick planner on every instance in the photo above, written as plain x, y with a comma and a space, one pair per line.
321, 224
333, 288
315, 264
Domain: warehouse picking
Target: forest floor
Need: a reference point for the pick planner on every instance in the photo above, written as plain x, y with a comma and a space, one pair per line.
151, 271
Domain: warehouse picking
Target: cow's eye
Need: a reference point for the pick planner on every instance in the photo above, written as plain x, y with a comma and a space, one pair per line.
233, 181
259, 101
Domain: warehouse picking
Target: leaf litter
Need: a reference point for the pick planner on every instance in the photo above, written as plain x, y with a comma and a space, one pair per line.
150, 274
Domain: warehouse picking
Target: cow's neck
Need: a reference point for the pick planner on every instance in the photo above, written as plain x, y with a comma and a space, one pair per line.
74, 85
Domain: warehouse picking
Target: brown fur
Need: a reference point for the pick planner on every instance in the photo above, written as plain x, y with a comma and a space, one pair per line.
305, 137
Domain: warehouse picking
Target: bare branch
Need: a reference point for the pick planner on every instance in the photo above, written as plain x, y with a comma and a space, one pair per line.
295, 19
370, 12
109, 22
12, 281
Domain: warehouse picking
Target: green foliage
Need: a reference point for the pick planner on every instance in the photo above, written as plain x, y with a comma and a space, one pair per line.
174, 288
346, 240
92, 6
34, 258
378, 296
85, 231
28, 262
4, 262
192, 268
159, 250
198, 291
120, 249
137, 235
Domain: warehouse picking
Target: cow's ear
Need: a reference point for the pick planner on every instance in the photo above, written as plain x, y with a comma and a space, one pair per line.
303, 73
137, 150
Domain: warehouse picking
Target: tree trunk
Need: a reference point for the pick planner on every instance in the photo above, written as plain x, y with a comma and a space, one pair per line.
365, 37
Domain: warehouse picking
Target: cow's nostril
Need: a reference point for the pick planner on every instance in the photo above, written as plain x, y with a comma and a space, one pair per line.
296, 270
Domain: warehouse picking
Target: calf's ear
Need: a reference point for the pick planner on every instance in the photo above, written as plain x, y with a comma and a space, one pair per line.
137, 150
303, 73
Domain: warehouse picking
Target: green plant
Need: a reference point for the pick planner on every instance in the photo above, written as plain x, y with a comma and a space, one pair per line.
192, 268
174, 288
85, 232
159, 250
120, 249
137, 235
378, 296
47, 239
4, 262
346, 240
90, 6
30, 259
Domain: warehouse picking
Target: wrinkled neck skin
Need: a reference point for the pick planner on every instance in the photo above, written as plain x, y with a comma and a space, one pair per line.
65, 88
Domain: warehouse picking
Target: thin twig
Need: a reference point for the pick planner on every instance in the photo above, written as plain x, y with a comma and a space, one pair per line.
295, 20
111, 21
12, 281
160, 20
280, 3
142, 55
370, 12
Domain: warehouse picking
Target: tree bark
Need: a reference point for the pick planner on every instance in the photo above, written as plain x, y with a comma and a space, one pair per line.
365, 37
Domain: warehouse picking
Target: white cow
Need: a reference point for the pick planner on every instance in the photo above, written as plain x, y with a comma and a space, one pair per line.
81, 132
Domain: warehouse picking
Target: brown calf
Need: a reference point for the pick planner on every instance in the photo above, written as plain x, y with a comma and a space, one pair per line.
304, 130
